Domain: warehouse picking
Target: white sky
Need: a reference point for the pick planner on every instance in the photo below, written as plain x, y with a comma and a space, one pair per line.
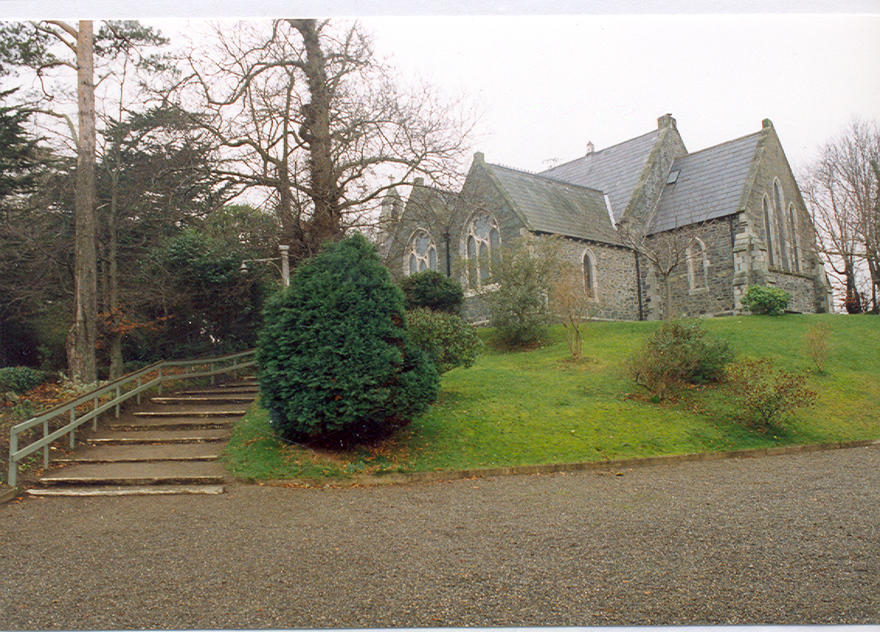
546, 84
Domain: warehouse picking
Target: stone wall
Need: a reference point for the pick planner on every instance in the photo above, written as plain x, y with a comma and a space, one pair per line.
711, 291
615, 277
801, 288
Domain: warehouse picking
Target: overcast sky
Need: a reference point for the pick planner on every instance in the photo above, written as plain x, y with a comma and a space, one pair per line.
546, 84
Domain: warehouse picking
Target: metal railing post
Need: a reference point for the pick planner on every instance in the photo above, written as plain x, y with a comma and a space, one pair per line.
45, 447
13, 463
211, 367
72, 432
95, 418
160, 379
139, 390
118, 395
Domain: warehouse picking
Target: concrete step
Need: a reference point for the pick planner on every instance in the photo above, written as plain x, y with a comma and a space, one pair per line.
128, 490
131, 437
172, 423
185, 412
236, 390
143, 453
205, 399
251, 381
183, 473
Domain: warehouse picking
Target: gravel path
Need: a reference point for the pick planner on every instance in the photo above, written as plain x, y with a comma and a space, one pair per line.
788, 539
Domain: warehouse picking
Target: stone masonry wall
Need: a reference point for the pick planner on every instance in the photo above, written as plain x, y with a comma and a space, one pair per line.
796, 266
712, 293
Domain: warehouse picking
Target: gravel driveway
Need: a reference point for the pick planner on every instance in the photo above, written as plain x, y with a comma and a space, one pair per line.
787, 539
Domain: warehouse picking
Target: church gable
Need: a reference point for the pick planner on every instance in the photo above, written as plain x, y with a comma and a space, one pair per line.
614, 170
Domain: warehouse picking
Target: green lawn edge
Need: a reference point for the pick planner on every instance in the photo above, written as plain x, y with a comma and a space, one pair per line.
537, 407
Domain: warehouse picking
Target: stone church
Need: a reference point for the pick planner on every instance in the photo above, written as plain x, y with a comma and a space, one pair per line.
737, 202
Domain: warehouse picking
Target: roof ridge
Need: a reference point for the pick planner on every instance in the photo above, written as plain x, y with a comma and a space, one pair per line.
599, 151
548, 178
721, 144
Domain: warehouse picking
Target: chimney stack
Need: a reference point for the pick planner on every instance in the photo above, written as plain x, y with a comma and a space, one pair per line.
590, 147
666, 121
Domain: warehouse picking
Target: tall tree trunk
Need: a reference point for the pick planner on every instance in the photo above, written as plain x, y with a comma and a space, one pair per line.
326, 222
83, 335
852, 301
667, 294
113, 281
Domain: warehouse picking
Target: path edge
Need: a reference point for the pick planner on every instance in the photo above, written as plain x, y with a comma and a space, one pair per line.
399, 478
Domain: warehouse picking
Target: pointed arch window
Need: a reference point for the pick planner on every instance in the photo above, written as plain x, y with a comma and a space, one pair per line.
589, 263
792, 223
697, 266
779, 212
482, 248
421, 253
768, 233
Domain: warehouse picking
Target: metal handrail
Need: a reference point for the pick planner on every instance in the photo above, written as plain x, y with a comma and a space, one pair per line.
239, 361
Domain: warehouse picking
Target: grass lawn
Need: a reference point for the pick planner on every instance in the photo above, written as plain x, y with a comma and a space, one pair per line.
531, 407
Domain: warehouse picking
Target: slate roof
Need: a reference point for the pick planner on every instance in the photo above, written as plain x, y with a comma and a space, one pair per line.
614, 170
710, 184
555, 207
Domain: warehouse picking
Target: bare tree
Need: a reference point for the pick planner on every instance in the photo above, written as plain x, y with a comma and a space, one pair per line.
665, 252
841, 189
302, 110
573, 303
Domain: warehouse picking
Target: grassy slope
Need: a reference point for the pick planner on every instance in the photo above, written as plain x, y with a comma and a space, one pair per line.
539, 407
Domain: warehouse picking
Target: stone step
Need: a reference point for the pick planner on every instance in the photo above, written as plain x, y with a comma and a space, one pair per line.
237, 390
172, 423
128, 490
131, 437
250, 381
143, 453
204, 399
200, 412
184, 473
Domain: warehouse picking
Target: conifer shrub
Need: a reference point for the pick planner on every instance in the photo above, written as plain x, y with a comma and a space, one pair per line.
679, 354
337, 367
446, 338
432, 290
759, 299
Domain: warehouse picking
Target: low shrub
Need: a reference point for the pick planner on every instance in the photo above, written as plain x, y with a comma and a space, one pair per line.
20, 379
765, 393
517, 297
337, 366
817, 345
679, 354
432, 290
447, 339
759, 299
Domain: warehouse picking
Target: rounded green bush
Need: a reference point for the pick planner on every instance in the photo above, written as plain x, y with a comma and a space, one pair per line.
20, 379
336, 365
432, 290
445, 338
759, 299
